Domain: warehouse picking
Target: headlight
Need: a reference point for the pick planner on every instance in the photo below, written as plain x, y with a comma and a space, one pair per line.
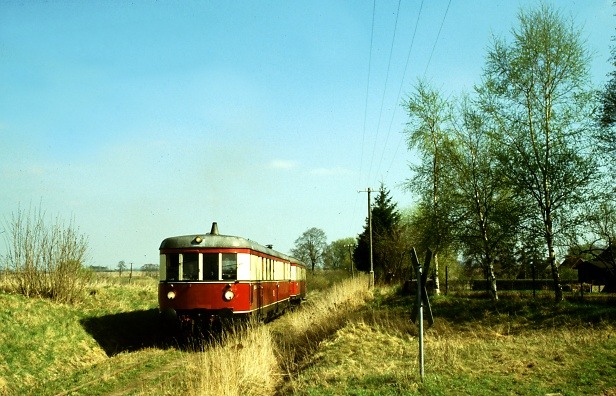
171, 295
228, 295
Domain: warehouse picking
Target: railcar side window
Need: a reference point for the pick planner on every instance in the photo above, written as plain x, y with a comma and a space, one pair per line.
190, 266
210, 266
229, 266
173, 267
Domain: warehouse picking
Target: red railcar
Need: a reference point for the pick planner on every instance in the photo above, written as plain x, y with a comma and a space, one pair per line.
207, 277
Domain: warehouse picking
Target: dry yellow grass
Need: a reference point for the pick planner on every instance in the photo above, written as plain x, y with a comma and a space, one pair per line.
299, 333
359, 351
243, 363
256, 359
344, 340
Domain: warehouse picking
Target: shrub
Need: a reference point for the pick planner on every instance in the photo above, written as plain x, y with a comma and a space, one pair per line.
45, 260
319, 280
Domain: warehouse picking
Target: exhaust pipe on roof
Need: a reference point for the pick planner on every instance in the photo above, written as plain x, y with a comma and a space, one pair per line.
214, 230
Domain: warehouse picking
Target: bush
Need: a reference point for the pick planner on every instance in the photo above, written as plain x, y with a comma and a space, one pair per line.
45, 260
324, 279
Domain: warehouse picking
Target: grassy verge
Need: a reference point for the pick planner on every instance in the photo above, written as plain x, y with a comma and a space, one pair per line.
110, 344
299, 334
44, 342
476, 347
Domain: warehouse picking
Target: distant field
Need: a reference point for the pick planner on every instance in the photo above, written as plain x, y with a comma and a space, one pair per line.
127, 274
344, 341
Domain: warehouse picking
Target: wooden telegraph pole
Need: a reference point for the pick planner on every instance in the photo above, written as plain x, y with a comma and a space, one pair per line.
369, 190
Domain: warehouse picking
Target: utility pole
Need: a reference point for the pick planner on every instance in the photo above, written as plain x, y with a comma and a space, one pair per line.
369, 190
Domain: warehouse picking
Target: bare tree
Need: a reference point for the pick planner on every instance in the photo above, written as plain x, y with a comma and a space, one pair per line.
310, 247
46, 260
121, 267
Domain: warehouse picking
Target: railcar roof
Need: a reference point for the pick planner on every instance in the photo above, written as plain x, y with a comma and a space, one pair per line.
220, 241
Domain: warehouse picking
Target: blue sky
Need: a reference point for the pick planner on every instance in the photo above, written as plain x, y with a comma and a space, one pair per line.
151, 119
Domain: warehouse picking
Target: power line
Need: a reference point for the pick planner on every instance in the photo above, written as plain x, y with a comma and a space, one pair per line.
363, 140
427, 65
391, 121
437, 37
378, 125
386, 82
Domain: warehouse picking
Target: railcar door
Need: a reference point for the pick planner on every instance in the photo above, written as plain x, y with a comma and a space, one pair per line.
259, 299
260, 278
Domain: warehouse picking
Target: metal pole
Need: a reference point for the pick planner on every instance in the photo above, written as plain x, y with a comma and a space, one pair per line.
420, 320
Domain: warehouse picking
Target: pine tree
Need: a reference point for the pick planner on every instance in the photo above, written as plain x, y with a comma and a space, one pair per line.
387, 252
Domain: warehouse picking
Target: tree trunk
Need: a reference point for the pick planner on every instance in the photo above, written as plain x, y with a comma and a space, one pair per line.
549, 239
489, 262
437, 286
558, 290
492, 281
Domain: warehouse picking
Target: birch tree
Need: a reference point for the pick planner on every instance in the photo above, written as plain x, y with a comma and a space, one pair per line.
606, 134
486, 213
427, 132
536, 88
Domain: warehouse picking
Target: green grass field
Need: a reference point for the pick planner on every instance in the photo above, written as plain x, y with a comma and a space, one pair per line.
345, 341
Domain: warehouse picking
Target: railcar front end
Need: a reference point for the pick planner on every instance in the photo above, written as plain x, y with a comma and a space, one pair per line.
209, 277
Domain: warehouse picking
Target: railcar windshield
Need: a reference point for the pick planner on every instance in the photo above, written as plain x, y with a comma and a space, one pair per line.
229, 266
199, 266
173, 267
210, 266
190, 266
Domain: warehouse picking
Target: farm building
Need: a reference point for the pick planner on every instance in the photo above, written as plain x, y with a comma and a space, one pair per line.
599, 271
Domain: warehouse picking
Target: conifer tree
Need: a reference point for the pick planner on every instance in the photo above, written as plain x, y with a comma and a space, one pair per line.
388, 251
